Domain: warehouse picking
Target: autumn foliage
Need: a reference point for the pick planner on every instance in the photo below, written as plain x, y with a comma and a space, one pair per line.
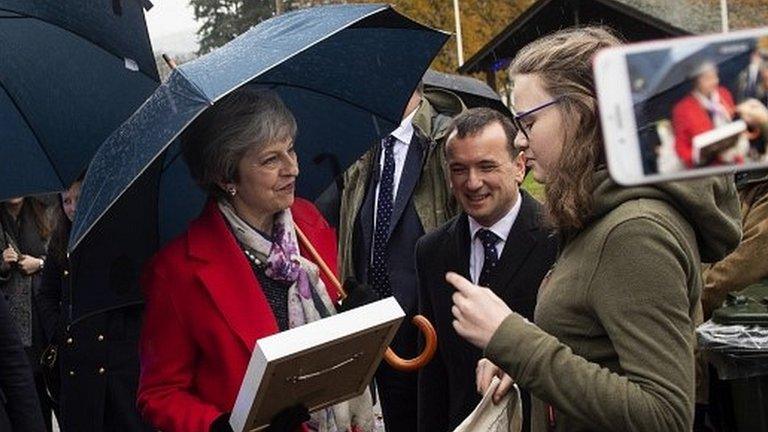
481, 20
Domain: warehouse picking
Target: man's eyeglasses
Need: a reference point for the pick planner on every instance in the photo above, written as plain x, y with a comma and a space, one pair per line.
517, 118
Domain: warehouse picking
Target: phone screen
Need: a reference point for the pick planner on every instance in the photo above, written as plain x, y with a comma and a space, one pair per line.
689, 99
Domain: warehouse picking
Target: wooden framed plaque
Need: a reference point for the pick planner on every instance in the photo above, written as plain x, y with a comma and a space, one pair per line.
317, 365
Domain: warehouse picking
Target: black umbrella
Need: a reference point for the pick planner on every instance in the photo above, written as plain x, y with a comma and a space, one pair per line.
473, 92
342, 70
70, 73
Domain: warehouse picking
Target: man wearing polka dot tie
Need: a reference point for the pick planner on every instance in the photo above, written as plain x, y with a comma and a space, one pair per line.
497, 242
393, 195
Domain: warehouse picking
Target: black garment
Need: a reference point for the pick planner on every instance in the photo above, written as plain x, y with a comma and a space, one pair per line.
21, 292
98, 359
19, 405
397, 390
379, 273
447, 390
490, 256
276, 293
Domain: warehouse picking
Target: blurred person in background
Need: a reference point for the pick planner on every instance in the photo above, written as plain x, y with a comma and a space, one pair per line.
91, 366
20, 407
24, 233
708, 106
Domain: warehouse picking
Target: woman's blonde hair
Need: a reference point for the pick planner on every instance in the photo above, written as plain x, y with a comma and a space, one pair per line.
563, 63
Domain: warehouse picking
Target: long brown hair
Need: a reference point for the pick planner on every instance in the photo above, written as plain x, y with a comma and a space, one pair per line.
563, 63
37, 210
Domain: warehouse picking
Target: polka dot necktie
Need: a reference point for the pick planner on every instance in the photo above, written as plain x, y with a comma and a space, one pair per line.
379, 275
488, 240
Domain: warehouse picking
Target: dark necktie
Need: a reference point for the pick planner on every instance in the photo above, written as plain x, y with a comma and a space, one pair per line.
379, 275
488, 240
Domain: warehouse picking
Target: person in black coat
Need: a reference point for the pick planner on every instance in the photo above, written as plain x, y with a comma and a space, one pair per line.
19, 405
497, 241
98, 363
24, 233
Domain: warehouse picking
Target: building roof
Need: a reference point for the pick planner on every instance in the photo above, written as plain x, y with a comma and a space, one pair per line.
635, 20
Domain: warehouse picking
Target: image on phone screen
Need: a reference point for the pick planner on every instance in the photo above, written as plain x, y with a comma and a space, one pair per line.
685, 100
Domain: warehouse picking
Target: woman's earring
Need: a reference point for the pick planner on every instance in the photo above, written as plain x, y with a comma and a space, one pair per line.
231, 190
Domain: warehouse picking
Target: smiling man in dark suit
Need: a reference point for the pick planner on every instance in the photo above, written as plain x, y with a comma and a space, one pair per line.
497, 242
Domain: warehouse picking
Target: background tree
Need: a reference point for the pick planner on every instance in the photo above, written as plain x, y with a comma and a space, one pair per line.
222, 20
481, 20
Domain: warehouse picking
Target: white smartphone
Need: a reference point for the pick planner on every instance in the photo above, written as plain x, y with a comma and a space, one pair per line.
684, 107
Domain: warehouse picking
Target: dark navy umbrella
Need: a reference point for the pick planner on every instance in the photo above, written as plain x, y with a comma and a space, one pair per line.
70, 73
473, 92
345, 71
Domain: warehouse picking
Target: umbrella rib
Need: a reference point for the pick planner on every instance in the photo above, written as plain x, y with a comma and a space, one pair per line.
354, 104
34, 133
85, 38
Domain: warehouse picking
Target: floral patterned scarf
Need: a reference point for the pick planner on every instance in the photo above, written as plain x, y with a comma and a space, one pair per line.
308, 301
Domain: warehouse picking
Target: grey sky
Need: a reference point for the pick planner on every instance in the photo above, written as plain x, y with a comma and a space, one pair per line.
172, 27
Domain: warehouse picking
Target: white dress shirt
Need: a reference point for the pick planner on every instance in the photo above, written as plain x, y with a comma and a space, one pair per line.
500, 228
403, 135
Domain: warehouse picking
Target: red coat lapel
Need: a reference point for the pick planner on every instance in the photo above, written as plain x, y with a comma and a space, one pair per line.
228, 277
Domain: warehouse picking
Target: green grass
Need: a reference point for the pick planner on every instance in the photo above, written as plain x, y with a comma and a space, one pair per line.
533, 187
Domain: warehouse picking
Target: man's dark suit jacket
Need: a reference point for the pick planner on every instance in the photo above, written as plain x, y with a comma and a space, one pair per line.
397, 389
446, 386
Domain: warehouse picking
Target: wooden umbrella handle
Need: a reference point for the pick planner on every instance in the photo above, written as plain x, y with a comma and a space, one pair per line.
401, 364
418, 362
320, 262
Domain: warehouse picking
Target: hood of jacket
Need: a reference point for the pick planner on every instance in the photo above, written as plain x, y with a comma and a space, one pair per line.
710, 205
438, 107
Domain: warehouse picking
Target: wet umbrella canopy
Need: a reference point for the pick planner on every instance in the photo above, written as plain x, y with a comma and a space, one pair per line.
473, 92
346, 72
70, 73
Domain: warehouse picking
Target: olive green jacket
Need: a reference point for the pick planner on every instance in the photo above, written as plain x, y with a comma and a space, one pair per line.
613, 344
747, 264
432, 197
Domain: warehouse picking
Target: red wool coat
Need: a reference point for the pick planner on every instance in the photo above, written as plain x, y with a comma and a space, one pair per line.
205, 310
689, 119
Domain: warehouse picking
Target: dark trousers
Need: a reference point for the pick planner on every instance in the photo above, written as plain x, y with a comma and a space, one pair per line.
45, 402
397, 394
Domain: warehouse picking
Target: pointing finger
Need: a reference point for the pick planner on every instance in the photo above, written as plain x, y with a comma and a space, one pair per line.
459, 282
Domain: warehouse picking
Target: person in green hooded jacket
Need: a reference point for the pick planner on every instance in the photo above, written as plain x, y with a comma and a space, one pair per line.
612, 343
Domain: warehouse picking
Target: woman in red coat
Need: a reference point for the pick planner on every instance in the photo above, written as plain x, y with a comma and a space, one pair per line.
237, 274
709, 105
